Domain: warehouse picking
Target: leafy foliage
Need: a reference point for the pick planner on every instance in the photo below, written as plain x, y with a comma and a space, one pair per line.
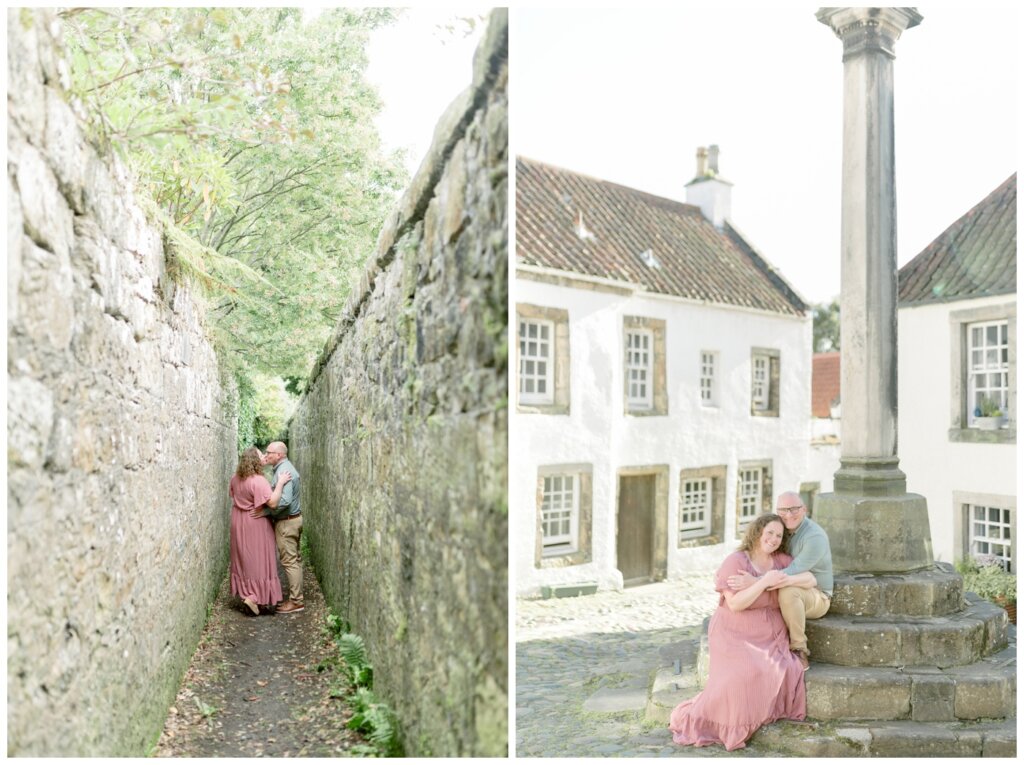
357, 667
986, 577
826, 326
371, 716
251, 129
376, 720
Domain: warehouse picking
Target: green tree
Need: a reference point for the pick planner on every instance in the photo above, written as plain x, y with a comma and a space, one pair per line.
826, 326
251, 129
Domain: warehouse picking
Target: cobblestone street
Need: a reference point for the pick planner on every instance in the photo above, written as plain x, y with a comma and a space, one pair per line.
584, 666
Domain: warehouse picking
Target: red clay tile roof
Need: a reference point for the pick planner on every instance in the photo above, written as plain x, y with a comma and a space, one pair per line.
696, 260
824, 382
975, 257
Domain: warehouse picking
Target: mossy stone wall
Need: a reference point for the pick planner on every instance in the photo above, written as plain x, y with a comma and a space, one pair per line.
401, 438
120, 437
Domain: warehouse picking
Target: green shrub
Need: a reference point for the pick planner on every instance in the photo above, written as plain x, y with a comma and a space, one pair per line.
988, 580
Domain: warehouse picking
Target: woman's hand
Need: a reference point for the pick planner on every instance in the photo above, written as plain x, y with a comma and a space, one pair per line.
773, 578
284, 478
741, 581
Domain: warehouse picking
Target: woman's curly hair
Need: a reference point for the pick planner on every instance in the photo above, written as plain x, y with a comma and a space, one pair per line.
756, 526
249, 463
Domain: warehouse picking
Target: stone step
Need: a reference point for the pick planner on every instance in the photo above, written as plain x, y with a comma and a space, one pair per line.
984, 690
924, 694
889, 739
668, 690
935, 591
957, 639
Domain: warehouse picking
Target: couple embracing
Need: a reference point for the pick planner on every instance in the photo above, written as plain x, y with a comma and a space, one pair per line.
266, 521
780, 576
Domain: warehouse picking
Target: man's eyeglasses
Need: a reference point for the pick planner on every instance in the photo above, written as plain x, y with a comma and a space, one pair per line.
789, 510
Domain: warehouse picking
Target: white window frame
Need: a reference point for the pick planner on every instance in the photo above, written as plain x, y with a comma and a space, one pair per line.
761, 381
554, 501
545, 355
639, 369
990, 532
695, 507
709, 378
981, 364
751, 502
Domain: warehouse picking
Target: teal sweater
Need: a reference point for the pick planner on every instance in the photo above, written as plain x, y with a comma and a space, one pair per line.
810, 551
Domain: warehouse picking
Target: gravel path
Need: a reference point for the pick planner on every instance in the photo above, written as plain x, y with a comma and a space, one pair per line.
584, 667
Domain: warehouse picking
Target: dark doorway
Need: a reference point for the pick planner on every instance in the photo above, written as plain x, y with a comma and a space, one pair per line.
635, 544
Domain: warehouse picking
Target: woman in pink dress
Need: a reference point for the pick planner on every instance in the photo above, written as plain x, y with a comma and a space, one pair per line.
753, 677
253, 550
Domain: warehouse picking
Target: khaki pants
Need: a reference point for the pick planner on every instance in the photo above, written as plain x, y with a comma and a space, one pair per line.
287, 532
798, 604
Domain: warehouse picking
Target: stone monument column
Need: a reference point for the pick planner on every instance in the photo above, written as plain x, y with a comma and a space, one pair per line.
873, 524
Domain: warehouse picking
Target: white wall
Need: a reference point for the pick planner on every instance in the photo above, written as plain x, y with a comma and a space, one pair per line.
934, 466
597, 432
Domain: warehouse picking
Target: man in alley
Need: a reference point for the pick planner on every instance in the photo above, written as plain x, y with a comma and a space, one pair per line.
287, 517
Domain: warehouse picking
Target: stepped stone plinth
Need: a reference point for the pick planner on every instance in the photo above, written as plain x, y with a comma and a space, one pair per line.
897, 641
933, 591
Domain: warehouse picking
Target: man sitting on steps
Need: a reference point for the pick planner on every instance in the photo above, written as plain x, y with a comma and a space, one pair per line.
287, 517
808, 544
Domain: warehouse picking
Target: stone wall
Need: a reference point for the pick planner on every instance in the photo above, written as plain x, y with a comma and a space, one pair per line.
120, 438
401, 438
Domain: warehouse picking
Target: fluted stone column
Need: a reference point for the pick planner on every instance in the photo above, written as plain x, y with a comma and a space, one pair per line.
873, 524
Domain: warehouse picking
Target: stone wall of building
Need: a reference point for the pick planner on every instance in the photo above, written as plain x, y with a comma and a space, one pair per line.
401, 438
120, 437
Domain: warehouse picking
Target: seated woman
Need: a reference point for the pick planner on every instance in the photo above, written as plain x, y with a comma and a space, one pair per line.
753, 677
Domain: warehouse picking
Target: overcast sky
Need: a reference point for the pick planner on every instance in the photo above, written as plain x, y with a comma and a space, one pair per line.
419, 67
629, 95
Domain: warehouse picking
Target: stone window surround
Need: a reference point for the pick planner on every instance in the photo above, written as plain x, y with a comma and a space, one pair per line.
639, 359
774, 375
962, 500
659, 563
717, 474
560, 373
659, 381
767, 503
544, 334
958, 321
584, 533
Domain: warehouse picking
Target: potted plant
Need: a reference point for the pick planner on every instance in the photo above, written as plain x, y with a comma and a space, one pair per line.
986, 577
988, 415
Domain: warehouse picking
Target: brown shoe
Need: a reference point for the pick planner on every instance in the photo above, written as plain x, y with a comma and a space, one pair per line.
805, 660
290, 607
251, 606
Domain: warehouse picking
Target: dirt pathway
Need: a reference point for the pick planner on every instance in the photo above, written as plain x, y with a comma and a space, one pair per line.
262, 687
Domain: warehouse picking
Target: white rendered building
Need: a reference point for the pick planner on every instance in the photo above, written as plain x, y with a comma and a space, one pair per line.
957, 345
662, 396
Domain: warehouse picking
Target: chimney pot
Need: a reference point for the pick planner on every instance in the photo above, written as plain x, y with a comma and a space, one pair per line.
702, 161
713, 158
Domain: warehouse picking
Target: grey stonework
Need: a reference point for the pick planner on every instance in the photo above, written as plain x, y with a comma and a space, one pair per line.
401, 437
120, 437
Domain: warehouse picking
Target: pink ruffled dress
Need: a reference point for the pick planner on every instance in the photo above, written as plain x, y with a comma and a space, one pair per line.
753, 678
253, 549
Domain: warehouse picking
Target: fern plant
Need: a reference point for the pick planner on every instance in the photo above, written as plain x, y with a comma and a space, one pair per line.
371, 716
358, 669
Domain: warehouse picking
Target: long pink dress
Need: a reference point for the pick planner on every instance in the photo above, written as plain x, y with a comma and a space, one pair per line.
753, 678
253, 550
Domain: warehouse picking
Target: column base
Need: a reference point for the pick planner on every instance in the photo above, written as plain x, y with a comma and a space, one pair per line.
873, 524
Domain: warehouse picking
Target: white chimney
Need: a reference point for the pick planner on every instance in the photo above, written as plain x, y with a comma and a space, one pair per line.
711, 193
